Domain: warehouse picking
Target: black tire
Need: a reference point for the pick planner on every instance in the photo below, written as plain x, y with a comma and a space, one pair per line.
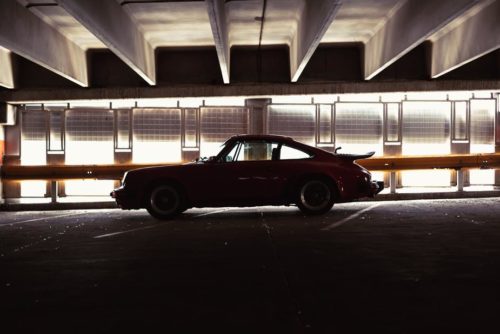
315, 196
165, 202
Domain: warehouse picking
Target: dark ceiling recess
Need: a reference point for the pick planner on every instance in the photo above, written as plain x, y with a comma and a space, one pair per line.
106, 69
335, 62
46, 4
415, 65
30, 75
486, 67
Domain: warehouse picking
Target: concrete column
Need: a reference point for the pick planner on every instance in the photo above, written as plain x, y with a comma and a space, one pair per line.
497, 138
12, 156
459, 145
393, 142
460, 179
2, 150
190, 133
257, 115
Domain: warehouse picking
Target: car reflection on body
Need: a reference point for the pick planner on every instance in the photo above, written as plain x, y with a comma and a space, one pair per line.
250, 170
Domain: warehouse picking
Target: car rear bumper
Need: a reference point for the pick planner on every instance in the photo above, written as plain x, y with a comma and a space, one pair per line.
125, 199
377, 187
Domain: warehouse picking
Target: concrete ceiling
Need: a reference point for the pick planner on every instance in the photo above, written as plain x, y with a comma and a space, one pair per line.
63, 36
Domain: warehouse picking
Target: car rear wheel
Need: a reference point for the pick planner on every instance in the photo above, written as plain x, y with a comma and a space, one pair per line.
315, 197
164, 202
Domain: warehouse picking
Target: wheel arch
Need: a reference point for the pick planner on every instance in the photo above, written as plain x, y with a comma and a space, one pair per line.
294, 185
151, 184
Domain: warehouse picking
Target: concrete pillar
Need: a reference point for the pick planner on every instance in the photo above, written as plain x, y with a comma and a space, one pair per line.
460, 148
190, 133
460, 179
460, 140
2, 150
12, 156
393, 181
257, 115
393, 139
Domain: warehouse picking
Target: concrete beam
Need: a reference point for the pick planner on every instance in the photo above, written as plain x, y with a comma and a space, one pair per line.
476, 35
251, 89
23, 33
408, 25
218, 22
315, 20
115, 28
6, 70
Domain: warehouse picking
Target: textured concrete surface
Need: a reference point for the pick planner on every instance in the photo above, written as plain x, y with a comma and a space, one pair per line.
423, 266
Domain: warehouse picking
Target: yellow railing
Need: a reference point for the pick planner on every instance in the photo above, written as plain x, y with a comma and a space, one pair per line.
115, 172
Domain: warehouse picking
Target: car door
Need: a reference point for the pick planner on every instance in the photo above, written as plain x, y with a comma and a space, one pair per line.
253, 173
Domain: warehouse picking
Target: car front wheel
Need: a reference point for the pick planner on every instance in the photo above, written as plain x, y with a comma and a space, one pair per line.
315, 197
164, 202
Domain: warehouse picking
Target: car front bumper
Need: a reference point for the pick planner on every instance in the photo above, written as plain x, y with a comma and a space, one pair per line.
125, 199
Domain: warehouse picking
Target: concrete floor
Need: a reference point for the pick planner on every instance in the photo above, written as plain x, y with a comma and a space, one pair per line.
374, 267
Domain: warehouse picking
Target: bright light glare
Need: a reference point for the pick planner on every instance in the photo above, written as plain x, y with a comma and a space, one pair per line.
33, 188
88, 187
156, 152
33, 153
89, 152
426, 178
208, 149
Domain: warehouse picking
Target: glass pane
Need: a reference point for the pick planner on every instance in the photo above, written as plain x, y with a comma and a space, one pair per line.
157, 135
218, 124
290, 153
256, 151
33, 138
296, 121
426, 131
358, 127
482, 137
89, 136
482, 113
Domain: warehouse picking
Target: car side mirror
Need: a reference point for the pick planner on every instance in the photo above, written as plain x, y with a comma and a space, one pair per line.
338, 148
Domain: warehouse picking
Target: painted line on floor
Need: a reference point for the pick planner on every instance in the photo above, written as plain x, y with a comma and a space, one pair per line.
40, 219
349, 218
212, 212
123, 232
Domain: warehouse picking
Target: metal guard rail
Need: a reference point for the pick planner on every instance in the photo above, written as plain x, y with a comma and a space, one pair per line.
115, 172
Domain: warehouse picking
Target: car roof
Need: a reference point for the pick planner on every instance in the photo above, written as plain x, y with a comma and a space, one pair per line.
263, 137
281, 139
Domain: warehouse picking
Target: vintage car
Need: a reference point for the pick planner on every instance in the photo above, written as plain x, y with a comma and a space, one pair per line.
250, 170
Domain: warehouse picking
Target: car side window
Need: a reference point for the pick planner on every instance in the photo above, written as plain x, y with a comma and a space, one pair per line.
253, 151
291, 153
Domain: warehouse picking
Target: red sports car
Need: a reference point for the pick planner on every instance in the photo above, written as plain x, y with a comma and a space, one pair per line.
250, 170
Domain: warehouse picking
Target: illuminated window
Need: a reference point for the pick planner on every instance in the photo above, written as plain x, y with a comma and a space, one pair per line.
296, 121
358, 127
89, 140
157, 135
33, 149
426, 131
482, 137
218, 124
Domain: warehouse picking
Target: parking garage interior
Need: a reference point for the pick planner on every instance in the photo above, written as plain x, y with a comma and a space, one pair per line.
90, 89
